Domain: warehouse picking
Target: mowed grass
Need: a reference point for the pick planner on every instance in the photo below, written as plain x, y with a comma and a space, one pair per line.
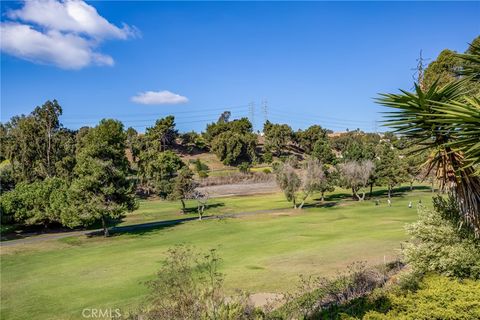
261, 253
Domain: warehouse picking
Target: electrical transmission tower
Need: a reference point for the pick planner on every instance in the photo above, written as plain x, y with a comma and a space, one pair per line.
419, 73
251, 113
265, 110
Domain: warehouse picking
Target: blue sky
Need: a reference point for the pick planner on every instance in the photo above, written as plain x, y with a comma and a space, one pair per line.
314, 62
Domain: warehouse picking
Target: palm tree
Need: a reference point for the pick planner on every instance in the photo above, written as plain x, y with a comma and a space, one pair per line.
446, 121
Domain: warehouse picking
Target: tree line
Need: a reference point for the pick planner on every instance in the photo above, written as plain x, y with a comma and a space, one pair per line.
50, 174
53, 175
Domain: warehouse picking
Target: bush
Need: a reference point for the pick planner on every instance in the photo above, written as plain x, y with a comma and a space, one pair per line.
200, 166
244, 167
40, 202
189, 286
410, 280
202, 174
267, 157
437, 298
267, 171
322, 298
438, 245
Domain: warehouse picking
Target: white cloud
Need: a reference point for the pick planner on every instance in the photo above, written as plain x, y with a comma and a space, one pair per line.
159, 97
69, 16
65, 34
52, 47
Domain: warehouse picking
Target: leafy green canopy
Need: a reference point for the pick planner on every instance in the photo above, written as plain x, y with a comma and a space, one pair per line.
102, 189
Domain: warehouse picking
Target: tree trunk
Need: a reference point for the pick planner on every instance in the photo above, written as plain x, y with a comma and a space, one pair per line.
354, 193
105, 229
363, 197
49, 146
371, 190
294, 203
322, 197
303, 201
411, 185
183, 205
389, 192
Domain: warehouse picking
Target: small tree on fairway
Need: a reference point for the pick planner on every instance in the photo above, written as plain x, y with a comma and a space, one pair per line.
414, 167
328, 183
355, 176
289, 181
183, 186
202, 199
312, 179
101, 189
389, 168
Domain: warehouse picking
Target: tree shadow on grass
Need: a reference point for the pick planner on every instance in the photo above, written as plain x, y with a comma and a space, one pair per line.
141, 229
194, 210
148, 227
396, 192
324, 204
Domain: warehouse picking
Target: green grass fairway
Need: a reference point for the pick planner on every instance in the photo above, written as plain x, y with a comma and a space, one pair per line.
261, 253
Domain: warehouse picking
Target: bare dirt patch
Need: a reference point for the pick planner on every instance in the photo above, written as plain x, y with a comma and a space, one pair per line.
262, 299
240, 189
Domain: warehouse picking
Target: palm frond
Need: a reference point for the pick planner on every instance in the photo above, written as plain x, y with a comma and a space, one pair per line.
447, 122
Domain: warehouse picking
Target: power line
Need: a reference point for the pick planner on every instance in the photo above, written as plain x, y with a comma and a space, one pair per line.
155, 119
159, 113
320, 119
310, 115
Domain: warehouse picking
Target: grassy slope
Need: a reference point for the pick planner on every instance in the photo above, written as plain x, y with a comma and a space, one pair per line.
56, 280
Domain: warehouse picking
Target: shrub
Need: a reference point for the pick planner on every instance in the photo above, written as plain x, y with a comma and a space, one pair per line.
189, 286
200, 166
322, 298
267, 157
438, 245
202, 174
267, 171
40, 202
244, 167
437, 298
410, 280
